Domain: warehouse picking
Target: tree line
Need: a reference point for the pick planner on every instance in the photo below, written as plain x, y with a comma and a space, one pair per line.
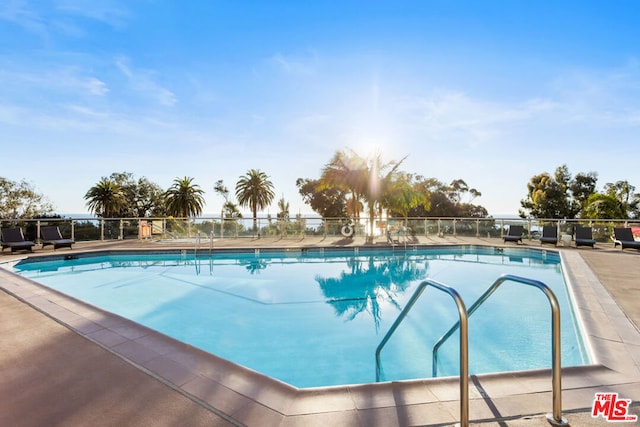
349, 185
560, 195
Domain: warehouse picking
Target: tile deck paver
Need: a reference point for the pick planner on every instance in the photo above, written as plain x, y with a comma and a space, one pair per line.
186, 382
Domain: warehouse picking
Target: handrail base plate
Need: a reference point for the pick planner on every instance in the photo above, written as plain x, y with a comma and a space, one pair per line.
563, 421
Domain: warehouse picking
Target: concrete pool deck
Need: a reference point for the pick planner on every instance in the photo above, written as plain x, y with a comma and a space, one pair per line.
66, 363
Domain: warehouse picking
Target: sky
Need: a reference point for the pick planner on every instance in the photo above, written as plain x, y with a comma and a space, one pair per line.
491, 92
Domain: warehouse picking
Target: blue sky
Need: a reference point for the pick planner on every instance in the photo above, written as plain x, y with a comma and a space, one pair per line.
492, 92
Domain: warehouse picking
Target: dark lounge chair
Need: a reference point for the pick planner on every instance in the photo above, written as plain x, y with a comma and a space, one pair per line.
51, 236
514, 234
549, 235
623, 236
584, 236
14, 239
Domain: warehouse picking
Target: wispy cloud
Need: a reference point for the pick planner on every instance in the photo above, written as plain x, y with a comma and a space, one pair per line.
457, 116
142, 81
67, 81
110, 12
95, 86
62, 16
20, 13
606, 96
295, 64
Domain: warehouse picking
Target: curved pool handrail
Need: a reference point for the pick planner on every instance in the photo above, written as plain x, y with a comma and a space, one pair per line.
556, 417
464, 341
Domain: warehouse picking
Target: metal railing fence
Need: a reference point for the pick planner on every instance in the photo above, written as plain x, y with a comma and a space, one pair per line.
95, 228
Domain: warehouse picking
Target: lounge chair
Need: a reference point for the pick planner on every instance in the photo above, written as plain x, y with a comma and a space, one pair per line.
584, 236
623, 236
514, 234
14, 239
549, 235
51, 236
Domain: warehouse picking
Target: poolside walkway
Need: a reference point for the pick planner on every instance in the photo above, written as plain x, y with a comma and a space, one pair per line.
57, 369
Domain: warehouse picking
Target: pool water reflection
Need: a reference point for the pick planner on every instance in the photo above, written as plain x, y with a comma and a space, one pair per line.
315, 319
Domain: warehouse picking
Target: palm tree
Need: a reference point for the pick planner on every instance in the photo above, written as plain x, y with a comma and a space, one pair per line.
184, 199
106, 199
364, 178
401, 195
283, 210
377, 183
255, 191
347, 171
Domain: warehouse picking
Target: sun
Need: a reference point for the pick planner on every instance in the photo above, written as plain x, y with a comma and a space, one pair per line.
370, 148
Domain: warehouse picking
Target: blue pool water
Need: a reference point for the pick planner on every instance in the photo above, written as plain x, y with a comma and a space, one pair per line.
315, 319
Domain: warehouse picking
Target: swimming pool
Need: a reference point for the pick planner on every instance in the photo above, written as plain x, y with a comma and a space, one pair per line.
315, 318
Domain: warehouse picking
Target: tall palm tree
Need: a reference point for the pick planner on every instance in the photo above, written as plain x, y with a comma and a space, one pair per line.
255, 191
364, 178
347, 171
106, 199
184, 199
378, 178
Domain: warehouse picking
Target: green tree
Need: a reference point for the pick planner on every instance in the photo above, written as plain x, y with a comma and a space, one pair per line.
603, 206
557, 196
143, 197
378, 176
447, 200
329, 202
184, 199
626, 196
582, 186
283, 210
229, 209
106, 199
20, 200
255, 191
401, 195
125, 196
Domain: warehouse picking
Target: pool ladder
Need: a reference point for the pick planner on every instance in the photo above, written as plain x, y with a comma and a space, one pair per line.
555, 418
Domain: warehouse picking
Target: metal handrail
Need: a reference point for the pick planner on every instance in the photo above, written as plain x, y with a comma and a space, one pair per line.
556, 417
464, 341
